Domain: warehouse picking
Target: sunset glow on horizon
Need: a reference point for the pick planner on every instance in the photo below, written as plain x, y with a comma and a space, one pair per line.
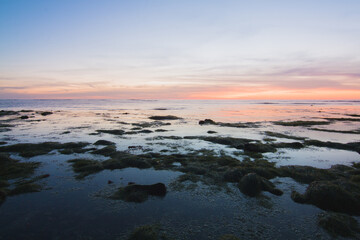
256, 50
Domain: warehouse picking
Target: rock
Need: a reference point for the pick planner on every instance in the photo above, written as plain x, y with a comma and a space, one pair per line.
252, 184
337, 224
234, 175
207, 121
338, 195
110, 182
139, 193
24, 117
167, 117
259, 147
2, 195
46, 113
104, 143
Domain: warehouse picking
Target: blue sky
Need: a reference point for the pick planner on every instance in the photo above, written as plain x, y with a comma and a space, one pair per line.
179, 49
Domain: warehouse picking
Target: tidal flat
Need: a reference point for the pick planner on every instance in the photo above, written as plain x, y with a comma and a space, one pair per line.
131, 169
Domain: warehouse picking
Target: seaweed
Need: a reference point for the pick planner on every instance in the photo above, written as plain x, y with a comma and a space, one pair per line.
352, 146
18, 172
35, 149
7, 113
337, 224
105, 151
222, 124
151, 124
337, 131
281, 135
343, 119
139, 193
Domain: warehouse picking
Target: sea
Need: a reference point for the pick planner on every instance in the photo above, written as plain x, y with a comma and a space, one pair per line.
71, 208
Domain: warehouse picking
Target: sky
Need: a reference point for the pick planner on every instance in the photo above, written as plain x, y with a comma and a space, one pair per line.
188, 49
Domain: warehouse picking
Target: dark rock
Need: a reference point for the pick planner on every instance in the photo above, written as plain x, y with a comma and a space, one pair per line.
46, 113
306, 174
234, 175
7, 113
24, 117
207, 121
105, 151
338, 195
110, 182
104, 143
113, 131
259, 147
211, 132
252, 184
337, 224
167, 117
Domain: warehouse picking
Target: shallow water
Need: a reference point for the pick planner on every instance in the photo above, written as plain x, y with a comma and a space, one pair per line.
79, 209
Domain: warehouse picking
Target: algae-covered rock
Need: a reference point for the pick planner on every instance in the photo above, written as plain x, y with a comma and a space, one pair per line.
112, 131
252, 185
139, 193
259, 147
46, 113
306, 174
35, 149
25, 188
207, 121
167, 117
104, 143
105, 151
85, 167
338, 195
337, 224
301, 123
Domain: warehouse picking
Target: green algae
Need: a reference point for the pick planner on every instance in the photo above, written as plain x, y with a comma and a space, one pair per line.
337, 224
139, 193
235, 125
105, 151
19, 173
352, 146
344, 119
281, 135
35, 149
25, 188
337, 131
147, 232
7, 113
151, 124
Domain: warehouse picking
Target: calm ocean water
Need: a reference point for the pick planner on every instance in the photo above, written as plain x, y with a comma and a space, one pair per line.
77, 209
